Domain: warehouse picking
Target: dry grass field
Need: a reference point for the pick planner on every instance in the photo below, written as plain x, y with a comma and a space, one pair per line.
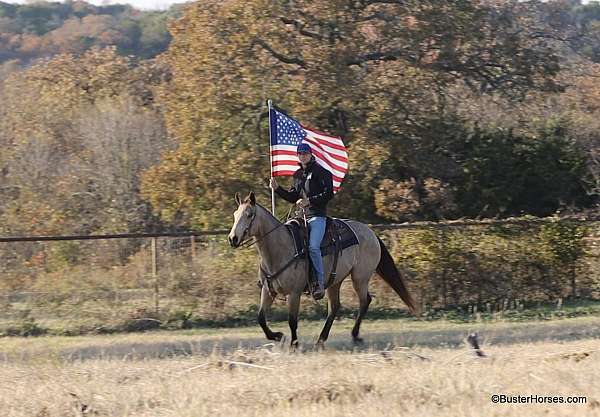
405, 368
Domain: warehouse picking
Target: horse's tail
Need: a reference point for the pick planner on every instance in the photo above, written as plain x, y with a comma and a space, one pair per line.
389, 272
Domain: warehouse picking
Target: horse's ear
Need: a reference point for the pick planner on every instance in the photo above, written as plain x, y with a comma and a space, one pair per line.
238, 199
252, 198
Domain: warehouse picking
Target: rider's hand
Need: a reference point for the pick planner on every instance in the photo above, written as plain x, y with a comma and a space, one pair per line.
302, 202
273, 183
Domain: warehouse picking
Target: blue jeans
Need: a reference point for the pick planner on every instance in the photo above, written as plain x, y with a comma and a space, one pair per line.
316, 231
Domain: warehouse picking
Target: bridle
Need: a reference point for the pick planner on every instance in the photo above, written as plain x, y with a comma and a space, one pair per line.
253, 239
245, 242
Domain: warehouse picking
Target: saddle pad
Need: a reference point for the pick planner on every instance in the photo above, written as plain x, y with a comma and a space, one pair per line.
343, 232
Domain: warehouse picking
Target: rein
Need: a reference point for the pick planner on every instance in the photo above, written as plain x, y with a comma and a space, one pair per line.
268, 278
253, 240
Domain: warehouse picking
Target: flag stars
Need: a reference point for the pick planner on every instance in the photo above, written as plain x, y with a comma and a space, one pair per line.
289, 132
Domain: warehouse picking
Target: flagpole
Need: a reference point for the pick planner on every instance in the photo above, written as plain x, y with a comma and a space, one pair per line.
269, 103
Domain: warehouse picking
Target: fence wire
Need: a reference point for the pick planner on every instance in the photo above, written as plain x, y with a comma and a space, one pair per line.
130, 283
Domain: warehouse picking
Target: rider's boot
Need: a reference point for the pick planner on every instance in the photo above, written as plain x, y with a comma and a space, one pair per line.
319, 291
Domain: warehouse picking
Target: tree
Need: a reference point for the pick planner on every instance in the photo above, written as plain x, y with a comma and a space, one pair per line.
43, 29
506, 174
77, 133
374, 72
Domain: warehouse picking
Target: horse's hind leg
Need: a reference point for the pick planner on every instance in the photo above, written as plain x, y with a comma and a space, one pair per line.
361, 286
333, 305
265, 302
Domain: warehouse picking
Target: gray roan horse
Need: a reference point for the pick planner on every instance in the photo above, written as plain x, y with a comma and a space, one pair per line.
276, 250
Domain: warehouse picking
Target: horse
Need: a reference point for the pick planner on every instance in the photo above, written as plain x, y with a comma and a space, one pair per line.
277, 259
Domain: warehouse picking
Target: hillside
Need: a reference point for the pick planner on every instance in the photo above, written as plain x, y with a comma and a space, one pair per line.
44, 29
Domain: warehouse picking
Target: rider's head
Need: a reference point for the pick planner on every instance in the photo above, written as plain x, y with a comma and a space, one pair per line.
304, 153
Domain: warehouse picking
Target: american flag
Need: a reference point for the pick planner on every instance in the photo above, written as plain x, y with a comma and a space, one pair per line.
287, 134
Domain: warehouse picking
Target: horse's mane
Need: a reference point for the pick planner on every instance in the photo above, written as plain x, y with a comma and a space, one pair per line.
268, 213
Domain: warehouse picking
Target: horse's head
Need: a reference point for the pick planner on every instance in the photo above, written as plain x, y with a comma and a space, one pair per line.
243, 220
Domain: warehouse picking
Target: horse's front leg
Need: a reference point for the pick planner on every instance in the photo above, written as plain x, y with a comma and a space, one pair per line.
265, 302
293, 308
333, 299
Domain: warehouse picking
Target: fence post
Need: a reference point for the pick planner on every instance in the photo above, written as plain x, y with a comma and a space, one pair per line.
573, 271
193, 248
441, 241
155, 275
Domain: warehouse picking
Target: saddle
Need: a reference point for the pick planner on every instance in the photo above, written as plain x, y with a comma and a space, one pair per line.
338, 236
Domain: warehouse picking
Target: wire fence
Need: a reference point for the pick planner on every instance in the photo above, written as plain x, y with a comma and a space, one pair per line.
79, 284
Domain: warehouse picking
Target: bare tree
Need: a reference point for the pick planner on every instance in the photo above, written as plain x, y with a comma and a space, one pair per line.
120, 140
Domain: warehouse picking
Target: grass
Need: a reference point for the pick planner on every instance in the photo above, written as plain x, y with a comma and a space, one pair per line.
110, 321
267, 380
377, 333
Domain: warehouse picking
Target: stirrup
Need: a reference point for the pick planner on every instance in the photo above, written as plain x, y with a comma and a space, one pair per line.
318, 295
318, 291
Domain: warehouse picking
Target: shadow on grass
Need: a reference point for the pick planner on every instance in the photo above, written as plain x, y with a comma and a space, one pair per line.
453, 338
455, 314
182, 319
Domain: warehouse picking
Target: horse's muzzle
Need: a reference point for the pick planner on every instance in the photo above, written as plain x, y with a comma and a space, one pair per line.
233, 241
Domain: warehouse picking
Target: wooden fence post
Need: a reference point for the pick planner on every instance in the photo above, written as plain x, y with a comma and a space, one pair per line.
155, 275
193, 248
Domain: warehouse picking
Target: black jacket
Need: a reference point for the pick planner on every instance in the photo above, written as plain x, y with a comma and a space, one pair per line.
317, 184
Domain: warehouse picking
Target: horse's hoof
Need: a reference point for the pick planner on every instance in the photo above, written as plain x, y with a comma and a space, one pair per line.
358, 340
294, 346
277, 336
320, 346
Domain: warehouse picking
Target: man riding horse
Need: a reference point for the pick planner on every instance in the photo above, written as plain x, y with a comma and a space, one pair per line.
312, 189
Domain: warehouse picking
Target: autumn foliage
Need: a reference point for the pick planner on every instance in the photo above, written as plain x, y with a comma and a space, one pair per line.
450, 109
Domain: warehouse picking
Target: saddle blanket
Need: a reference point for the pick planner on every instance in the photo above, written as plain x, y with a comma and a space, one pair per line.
335, 229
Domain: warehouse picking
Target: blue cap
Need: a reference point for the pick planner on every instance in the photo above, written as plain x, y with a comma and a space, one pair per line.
303, 148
